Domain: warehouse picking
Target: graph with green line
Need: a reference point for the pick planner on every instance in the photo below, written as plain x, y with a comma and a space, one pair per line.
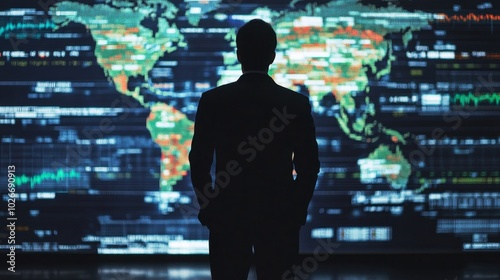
476, 99
10, 27
58, 176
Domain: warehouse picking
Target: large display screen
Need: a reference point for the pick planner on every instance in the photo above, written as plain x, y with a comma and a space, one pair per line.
98, 100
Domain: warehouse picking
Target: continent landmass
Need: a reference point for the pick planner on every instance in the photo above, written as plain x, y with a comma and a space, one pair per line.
333, 49
196, 9
383, 162
125, 49
330, 49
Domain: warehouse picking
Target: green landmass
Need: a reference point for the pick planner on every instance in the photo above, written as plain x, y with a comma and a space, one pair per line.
196, 9
391, 165
329, 49
173, 132
125, 49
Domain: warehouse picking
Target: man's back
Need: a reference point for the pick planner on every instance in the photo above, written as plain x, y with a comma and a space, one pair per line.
257, 126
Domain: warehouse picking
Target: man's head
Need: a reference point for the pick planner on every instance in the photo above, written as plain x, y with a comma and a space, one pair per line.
256, 43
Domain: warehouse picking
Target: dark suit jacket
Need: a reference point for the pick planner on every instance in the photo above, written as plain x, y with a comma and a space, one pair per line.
259, 132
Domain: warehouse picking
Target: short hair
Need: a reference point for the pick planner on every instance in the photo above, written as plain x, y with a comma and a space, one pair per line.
256, 42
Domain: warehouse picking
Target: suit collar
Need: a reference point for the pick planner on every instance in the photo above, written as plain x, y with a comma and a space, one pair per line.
251, 76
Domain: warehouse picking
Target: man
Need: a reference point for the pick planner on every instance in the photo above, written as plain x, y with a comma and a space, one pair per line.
260, 132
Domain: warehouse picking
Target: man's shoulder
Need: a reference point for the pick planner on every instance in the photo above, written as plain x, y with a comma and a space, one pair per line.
211, 93
292, 94
269, 88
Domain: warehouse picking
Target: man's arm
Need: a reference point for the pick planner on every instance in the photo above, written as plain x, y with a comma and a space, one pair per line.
201, 157
306, 163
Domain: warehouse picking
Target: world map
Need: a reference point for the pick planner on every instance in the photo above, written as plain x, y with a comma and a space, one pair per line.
329, 49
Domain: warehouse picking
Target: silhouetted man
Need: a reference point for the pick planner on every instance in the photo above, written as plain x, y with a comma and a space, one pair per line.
259, 132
